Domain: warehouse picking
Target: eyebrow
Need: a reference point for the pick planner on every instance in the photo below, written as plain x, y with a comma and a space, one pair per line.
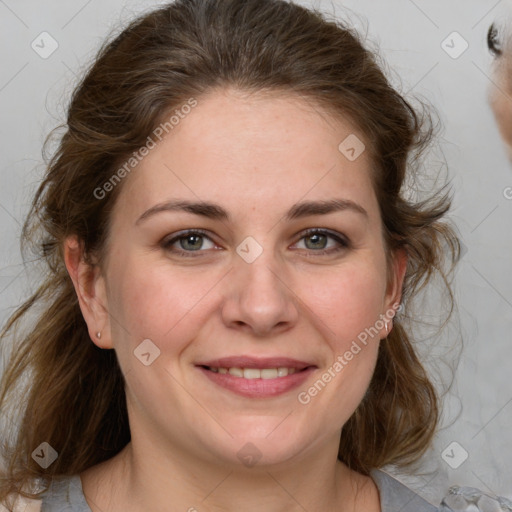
216, 212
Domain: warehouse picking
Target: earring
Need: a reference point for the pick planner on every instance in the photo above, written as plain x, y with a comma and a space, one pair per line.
387, 328
98, 335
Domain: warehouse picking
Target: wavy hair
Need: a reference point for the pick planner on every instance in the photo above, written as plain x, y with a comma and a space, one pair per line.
70, 393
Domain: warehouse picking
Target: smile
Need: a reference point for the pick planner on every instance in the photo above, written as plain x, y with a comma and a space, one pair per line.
256, 382
255, 373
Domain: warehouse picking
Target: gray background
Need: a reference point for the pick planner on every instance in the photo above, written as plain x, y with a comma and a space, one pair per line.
478, 408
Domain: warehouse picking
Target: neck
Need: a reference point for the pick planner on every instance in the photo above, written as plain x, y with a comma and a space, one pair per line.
143, 476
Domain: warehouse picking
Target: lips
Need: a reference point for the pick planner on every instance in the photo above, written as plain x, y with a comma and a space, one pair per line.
257, 377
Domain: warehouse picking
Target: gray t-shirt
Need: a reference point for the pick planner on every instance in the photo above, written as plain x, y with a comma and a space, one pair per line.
65, 494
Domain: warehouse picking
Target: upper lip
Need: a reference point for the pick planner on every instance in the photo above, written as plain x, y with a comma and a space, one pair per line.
256, 362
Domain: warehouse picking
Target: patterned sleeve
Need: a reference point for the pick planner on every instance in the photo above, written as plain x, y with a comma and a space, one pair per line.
469, 499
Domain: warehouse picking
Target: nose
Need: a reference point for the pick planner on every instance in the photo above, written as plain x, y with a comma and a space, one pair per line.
259, 301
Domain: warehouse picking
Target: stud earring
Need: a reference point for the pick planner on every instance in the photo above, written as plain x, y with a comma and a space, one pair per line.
387, 327
98, 335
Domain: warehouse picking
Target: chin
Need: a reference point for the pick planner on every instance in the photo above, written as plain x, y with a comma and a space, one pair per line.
265, 444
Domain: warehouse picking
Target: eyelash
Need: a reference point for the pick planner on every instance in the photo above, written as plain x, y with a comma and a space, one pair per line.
493, 42
342, 241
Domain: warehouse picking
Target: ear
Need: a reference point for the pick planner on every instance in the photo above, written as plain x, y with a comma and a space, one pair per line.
91, 292
395, 285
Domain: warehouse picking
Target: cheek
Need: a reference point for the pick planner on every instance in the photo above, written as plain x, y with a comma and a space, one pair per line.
347, 308
346, 305
346, 300
156, 301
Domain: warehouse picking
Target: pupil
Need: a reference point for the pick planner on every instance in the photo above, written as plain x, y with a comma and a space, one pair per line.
317, 239
191, 238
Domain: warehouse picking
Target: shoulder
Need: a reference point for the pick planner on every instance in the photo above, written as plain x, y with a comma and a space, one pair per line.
64, 495
396, 496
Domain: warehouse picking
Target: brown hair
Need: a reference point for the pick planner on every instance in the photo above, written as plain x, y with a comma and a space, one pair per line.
74, 396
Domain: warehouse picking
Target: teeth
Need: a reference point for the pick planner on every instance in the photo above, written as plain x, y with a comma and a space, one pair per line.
256, 373
282, 372
268, 373
251, 373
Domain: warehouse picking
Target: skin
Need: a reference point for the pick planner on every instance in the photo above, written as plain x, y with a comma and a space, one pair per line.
256, 156
501, 101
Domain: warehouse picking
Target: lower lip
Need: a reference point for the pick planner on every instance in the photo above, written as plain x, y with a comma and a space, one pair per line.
258, 388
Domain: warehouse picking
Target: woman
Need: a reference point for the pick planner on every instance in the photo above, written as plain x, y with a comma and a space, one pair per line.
262, 366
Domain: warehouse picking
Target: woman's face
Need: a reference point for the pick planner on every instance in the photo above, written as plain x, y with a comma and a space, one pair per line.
248, 287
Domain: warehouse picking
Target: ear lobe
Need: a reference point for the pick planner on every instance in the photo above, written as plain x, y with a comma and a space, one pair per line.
91, 292
397, 280
395, 285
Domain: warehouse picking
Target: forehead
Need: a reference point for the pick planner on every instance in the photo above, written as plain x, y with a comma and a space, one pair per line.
253, 139
257, 152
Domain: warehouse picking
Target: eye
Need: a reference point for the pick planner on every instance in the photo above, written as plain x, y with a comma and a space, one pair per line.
493, 42
187, 242
321, 241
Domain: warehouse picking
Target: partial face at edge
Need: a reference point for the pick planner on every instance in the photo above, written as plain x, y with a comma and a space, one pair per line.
499, 42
